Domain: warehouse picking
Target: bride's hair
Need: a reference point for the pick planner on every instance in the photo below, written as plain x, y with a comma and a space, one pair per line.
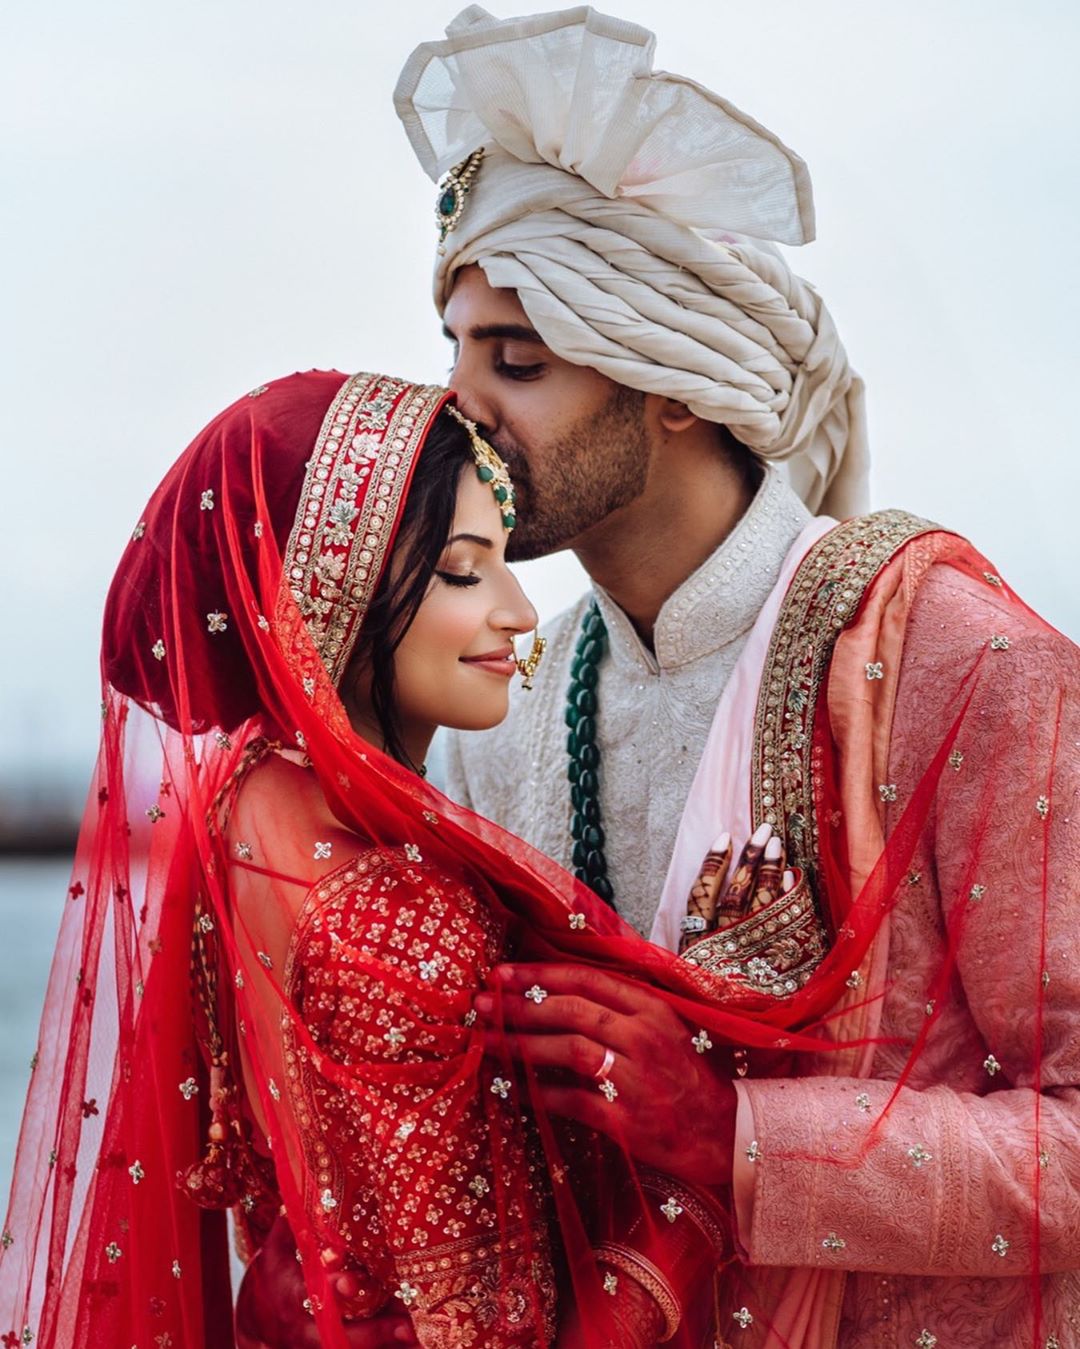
195, 558
425, 527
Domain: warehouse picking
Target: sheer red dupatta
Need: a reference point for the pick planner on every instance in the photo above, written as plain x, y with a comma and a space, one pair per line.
208, 646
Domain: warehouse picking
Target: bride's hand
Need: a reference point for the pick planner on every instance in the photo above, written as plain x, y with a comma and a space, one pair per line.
758, 880
270, 1312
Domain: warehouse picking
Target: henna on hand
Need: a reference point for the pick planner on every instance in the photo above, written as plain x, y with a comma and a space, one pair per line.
769, 882
705, 892
758, 879
737, 898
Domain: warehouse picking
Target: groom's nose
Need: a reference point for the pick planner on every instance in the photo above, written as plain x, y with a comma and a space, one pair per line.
473, 400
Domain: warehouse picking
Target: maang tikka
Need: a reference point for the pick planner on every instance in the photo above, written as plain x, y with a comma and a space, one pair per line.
491, 469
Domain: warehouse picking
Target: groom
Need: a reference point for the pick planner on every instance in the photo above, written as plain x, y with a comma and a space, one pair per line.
646, 363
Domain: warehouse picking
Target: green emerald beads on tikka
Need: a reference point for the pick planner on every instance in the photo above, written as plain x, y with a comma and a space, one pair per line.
503, 495
589, 858
490, 468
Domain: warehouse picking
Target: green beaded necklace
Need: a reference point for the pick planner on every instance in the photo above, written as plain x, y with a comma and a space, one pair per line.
582, 771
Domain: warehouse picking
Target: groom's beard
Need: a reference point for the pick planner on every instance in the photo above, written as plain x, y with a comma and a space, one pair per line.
564, 488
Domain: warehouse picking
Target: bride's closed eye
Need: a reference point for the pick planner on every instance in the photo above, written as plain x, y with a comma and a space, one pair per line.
457, 579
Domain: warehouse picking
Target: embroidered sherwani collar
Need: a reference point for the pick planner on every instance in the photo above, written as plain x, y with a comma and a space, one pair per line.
720, 601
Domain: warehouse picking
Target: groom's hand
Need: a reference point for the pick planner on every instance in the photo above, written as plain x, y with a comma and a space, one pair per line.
586, 1012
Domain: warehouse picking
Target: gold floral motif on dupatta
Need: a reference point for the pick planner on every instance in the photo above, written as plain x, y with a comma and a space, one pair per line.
775, 950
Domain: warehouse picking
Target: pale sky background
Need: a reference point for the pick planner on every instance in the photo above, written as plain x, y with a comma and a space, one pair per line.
198, 197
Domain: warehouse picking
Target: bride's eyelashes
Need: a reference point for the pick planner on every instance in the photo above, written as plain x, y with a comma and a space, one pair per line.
456, 579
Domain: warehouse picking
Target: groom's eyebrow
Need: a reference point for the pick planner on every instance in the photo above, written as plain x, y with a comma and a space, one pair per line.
508, 332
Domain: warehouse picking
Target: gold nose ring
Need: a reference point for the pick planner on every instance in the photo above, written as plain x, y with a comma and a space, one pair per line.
527, 666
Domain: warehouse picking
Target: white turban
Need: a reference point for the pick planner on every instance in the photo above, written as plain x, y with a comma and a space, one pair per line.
634, 213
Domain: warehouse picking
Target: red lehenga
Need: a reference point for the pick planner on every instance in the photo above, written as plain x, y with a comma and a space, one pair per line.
395, 1119
261, 994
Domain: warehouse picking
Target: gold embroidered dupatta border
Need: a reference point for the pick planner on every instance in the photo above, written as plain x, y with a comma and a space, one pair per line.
353, 495
823, 597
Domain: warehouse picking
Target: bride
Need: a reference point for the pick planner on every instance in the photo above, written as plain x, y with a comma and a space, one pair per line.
262, 994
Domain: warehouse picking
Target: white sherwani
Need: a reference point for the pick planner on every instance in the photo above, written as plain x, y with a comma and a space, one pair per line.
656, 708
